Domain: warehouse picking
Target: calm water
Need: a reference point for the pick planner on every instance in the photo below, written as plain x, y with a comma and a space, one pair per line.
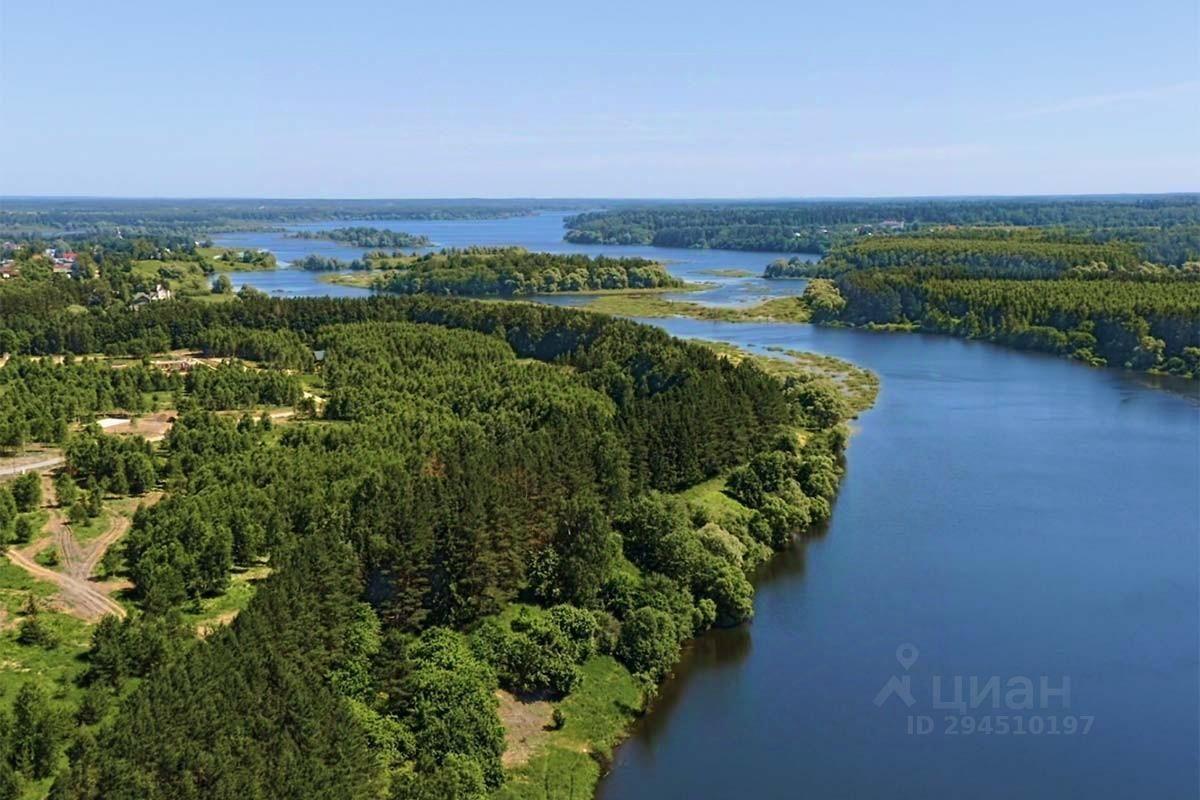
542, 232
1004, 515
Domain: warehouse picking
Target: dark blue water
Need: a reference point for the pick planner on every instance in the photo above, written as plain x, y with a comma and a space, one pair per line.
1004, 515
1007, 514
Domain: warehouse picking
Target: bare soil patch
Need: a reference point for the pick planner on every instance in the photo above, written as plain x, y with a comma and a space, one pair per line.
526, 726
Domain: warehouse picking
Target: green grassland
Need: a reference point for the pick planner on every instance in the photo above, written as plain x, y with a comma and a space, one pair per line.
568, 762
724, 272
225, 259
625, 304
184, 278
211, 612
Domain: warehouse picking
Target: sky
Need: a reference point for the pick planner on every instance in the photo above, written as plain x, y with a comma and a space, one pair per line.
656, 98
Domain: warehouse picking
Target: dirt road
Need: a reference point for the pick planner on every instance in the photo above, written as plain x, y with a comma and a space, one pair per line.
80, 595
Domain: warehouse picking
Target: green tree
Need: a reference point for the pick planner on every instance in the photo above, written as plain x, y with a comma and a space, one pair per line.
27, 491
649, 642
66, 490
37, 732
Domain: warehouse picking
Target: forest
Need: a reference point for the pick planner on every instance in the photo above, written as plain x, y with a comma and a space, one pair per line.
513, 272
1006, 252
814, 226
359, 236
1028, 255
485, 498
1135, 324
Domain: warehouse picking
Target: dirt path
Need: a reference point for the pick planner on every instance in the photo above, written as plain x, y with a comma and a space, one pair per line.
94, 552
81, 597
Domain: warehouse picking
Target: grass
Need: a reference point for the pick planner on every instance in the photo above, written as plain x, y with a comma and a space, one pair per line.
48, 556
711, 496
16, 585
779, 309
210, 255
92, 528
728, 273
598, 713
39, 519
181, 277
214, 611
56, 669
859, 387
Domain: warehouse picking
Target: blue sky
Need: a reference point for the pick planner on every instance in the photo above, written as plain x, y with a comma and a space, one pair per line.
653, 98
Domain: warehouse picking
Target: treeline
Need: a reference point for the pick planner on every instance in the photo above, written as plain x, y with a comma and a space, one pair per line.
1143, 325
812, 226
366, 237
87, 218
727, 229
282, 349
513, 271
472, 454
231, 386
40, 400
1030, 254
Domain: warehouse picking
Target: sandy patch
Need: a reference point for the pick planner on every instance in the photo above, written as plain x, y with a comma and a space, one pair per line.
526, 724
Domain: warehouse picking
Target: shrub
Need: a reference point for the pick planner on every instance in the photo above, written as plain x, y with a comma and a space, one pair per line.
649, 643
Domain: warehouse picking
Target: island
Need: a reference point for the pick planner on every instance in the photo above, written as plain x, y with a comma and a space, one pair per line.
366, 237
502, 272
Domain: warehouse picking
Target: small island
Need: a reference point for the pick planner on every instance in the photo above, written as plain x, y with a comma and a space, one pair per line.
367, 237
500, 272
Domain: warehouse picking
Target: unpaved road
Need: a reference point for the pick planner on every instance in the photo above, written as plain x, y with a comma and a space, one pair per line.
80, 595
82, 598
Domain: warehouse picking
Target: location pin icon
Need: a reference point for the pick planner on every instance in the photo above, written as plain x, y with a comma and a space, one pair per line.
907, 654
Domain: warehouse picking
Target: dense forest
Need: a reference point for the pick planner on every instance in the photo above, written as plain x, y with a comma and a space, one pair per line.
483, 499
1028, 254
812, 226
366, 237
1131, 323
513, 271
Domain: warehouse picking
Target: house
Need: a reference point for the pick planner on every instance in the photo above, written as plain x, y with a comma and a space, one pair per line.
892, 224
142, 298
9, 269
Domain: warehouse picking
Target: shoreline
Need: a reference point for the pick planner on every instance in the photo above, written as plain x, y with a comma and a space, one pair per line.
593, 760
364, 279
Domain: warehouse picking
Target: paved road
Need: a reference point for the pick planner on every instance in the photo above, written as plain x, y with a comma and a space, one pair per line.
20, 469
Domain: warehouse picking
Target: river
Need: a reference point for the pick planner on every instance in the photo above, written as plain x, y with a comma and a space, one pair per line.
1005, 518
